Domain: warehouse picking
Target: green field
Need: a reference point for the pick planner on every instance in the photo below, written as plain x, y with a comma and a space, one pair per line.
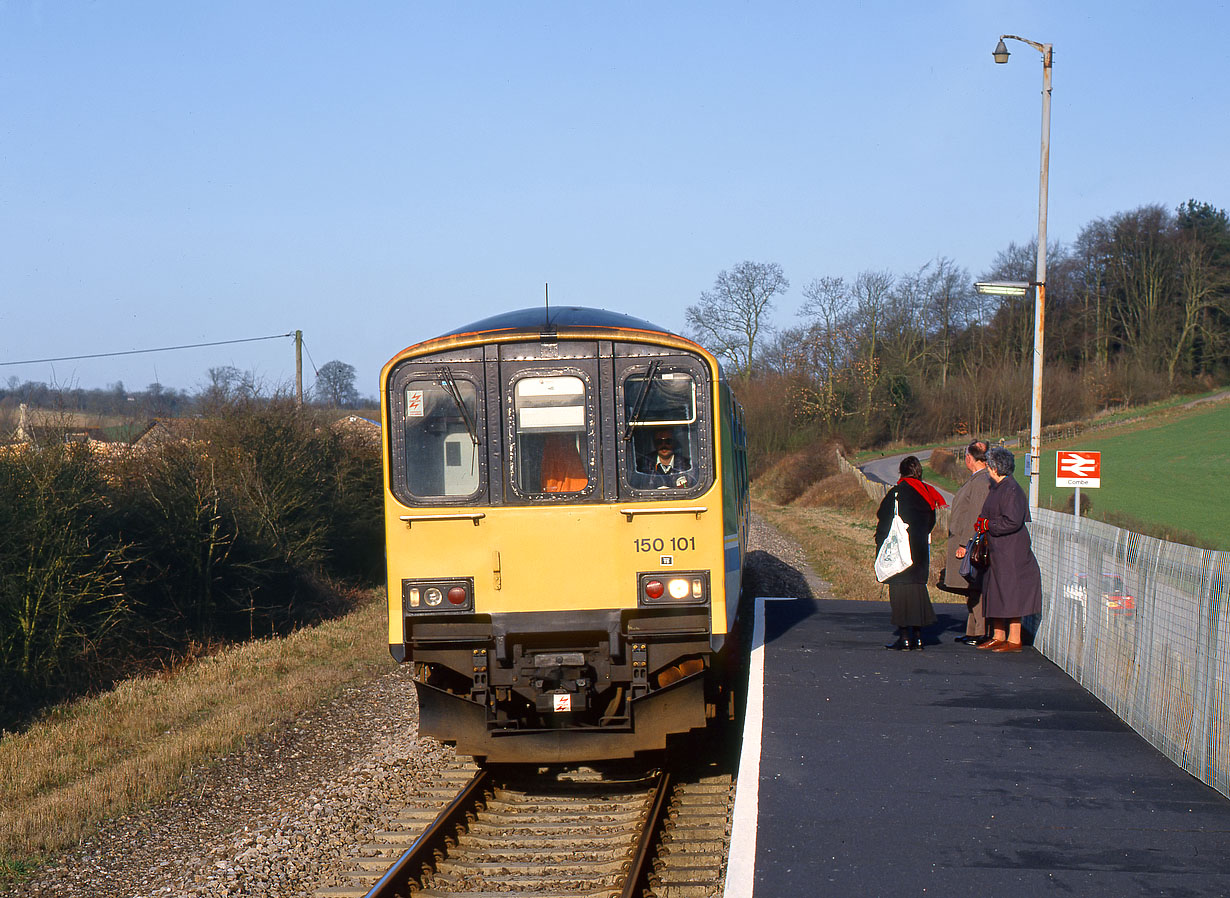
1172, 469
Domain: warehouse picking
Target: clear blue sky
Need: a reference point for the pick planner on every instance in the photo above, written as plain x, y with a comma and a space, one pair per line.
374, 173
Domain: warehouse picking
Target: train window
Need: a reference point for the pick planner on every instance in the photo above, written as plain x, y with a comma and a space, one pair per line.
660, 398
662, 425
441, 437
552, 435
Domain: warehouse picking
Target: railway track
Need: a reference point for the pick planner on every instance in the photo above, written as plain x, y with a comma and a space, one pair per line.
617, 831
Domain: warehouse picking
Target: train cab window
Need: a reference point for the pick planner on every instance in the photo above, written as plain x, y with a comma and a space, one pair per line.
441, 437
551, 433
660, 409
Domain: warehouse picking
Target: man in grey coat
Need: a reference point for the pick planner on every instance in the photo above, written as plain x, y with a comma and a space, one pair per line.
966, 506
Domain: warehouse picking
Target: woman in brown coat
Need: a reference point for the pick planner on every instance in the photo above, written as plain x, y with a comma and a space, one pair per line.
1012, 588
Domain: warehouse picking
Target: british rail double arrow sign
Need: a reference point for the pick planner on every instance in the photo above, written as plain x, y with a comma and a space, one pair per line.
1083, 469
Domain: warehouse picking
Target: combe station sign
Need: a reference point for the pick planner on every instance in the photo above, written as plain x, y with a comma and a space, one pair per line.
1082, 470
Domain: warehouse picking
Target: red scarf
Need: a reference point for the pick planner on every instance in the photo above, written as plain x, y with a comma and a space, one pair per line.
927, 491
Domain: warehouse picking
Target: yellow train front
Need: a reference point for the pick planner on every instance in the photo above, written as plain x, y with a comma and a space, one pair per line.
565, 523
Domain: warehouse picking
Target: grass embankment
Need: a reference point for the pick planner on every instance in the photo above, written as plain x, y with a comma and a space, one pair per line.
128, 748
1169, 468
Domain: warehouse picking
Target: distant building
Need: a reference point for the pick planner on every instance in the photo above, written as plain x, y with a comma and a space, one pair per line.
365, 430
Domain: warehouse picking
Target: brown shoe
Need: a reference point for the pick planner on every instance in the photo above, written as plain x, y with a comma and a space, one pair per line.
989, 645
1007, 647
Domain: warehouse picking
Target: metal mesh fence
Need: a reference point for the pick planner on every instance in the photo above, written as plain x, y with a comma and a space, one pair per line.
1144, 625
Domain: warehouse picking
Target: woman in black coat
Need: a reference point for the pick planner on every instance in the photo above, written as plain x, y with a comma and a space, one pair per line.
1012, 588
916, 502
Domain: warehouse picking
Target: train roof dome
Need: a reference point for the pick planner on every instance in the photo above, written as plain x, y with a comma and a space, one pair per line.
540, 318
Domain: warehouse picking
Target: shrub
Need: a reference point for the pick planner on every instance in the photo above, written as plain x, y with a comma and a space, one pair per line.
1086, 503
191, 576
61, 588
944, 463
109, 565
305, 501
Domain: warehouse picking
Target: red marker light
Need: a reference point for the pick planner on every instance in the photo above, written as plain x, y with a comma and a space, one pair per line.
457, 595
654, 589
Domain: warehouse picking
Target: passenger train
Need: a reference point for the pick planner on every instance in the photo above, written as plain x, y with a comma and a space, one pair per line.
566, 517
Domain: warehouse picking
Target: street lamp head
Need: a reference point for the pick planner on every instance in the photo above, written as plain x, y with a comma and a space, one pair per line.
1002, 288
1000, 53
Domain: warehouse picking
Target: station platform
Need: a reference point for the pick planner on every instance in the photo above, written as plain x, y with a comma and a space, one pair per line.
950, 772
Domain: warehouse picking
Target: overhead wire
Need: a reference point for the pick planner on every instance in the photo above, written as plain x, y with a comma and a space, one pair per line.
106, 355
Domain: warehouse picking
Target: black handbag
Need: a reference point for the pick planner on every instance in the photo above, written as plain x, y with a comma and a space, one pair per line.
980, 551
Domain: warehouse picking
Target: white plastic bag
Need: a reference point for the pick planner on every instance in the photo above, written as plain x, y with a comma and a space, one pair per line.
894, 555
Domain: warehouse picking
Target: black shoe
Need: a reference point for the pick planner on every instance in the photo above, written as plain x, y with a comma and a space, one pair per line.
970, 640
918, 646
980, 640
899, 646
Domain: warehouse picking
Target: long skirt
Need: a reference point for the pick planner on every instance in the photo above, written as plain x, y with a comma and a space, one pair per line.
911, 605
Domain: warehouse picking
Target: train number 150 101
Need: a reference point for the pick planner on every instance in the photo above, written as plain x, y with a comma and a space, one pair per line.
657, 544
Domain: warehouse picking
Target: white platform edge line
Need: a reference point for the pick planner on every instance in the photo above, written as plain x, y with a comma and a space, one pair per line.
741, 863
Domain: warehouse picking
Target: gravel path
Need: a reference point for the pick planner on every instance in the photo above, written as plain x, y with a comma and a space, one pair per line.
275, 818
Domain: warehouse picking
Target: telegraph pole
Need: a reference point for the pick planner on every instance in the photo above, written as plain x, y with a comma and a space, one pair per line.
299, 366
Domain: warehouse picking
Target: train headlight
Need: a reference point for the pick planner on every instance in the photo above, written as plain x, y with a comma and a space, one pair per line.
428, 596
683, 588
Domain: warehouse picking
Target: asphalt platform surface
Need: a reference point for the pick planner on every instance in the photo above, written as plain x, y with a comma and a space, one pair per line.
958, 772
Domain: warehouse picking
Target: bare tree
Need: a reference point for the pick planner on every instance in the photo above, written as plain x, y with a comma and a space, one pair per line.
1143, 267
871, 294
1203, 287
1209, 226
826, 309
904, 328
335, 385
823, 348
731, 318
227, 383
1092, 275
950, 299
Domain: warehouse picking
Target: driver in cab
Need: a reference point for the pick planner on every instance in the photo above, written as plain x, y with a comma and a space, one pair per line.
667, 468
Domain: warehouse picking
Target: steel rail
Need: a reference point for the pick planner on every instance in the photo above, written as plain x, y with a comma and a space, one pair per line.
433, 843
637, 881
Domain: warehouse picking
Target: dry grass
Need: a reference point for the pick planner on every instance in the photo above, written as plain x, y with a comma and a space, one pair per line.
791, 474
103, 756
835, 523
835, 491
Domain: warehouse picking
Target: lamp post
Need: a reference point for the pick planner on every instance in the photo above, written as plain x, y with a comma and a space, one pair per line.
1000, 55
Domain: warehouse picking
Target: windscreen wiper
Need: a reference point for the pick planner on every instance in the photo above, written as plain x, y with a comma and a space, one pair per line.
445, 375
635, 418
